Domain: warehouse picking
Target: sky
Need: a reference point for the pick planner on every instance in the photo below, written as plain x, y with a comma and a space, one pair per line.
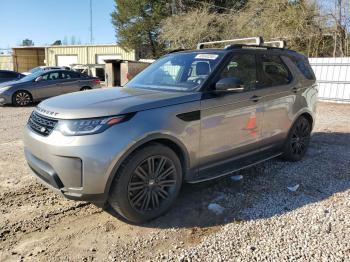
45, 21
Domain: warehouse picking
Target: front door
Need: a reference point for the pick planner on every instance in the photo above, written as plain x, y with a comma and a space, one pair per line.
48, 85
231, 122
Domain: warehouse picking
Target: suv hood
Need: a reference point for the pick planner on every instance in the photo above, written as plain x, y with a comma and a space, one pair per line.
110, 101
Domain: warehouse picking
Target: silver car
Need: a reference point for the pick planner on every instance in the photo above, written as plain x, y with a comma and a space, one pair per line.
191, 116
44, 84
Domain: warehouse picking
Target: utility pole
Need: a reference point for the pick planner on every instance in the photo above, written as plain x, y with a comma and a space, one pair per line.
91, 35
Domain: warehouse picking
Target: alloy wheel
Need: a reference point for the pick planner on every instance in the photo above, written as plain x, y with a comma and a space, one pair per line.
22, 98
152, 183
300, 138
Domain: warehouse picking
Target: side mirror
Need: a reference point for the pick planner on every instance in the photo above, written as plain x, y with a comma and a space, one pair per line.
39, 78
230, 84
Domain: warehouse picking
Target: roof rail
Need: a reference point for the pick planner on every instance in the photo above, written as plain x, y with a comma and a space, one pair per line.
279, 44
251, 41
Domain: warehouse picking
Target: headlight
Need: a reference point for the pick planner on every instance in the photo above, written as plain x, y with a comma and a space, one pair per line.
81, 127
5, 88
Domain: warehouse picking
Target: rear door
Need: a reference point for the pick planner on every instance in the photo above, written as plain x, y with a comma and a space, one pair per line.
277, 86
231, 122
69, 82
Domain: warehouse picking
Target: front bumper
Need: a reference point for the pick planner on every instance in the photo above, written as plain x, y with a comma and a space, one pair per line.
5, 99
76, 167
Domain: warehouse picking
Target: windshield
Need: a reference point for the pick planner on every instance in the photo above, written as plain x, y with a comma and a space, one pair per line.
31, 77
35, 69
180, 71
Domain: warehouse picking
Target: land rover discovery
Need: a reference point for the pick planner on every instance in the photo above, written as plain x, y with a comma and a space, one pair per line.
191, 116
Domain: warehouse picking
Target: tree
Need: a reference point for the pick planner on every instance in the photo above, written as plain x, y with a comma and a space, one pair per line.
27, 42
57, 42
299, 22
191, 28
137, 25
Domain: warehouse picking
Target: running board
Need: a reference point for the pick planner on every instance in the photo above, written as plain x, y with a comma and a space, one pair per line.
236, 165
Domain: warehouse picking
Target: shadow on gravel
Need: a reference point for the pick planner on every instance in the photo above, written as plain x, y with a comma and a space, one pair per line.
263, 193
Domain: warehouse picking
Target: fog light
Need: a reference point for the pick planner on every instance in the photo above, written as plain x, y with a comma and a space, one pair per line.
2, 100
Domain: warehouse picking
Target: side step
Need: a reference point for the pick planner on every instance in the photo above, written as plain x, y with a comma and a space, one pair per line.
233, 166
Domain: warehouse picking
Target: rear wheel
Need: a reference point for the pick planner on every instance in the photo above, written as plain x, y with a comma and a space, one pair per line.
22, 98
85, 88
298, 140
147, 183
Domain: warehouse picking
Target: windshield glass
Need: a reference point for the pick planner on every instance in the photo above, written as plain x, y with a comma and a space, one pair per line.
35, 69
31, 77
180, 71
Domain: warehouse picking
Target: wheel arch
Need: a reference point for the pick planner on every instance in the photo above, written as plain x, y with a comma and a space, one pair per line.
167, 140
308, 115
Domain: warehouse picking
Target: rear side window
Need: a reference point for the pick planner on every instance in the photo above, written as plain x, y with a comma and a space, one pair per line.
273, 71
73, 74
304, 67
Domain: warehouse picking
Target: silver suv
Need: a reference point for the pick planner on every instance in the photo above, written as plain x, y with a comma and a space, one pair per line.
191, 116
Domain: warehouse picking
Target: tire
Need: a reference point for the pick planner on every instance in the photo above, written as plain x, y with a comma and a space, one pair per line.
22, 98
298, 140
85, 88
139, 195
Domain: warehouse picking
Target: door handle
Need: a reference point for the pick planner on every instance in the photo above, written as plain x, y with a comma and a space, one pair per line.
255, 98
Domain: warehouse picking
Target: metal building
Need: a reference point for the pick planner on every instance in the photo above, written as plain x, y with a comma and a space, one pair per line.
92, 56
6, 62
27, 57
67, 55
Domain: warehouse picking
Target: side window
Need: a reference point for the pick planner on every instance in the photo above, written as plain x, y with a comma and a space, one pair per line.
45, 77
73, 74
304, 67
51, 76
65, 75
273, 71
242, 67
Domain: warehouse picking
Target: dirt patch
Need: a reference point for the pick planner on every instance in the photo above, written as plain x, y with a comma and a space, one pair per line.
262, 219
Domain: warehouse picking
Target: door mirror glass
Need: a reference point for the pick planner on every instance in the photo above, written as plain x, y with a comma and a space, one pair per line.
230, 84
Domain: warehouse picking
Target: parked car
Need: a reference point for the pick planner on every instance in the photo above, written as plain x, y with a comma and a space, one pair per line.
44, 84
6, 75
191, 116
45, 68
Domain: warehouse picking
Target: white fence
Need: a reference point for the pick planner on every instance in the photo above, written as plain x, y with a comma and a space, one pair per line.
333, 77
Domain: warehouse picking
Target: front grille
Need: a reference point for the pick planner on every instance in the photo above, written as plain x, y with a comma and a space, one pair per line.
41, 125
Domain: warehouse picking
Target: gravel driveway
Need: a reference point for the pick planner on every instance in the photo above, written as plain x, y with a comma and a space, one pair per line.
260, 219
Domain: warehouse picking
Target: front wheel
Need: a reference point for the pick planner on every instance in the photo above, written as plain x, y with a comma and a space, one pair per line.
21, 98
298, 140
147, 183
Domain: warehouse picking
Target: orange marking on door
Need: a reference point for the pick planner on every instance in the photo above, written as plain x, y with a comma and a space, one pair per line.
251, 124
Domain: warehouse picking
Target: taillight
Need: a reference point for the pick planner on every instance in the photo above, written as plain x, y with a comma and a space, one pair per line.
96, 81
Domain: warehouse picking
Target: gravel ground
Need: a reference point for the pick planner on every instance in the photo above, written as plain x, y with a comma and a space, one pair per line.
261, 220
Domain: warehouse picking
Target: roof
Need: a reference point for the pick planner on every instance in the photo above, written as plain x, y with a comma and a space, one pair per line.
62, 46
